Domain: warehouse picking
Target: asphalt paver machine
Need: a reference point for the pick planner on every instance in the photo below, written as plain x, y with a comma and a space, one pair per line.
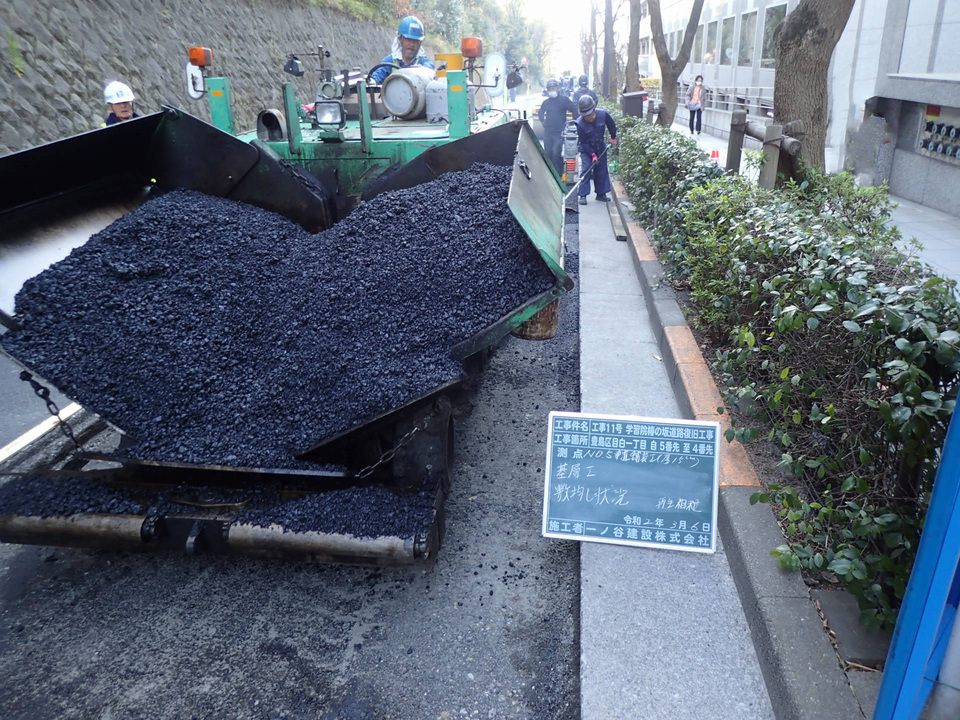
311, 163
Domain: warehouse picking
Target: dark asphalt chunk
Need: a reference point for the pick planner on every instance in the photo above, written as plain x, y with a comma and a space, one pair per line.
361, 511
216, 332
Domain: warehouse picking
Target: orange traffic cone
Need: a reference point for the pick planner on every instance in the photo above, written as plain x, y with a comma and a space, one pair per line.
714, 154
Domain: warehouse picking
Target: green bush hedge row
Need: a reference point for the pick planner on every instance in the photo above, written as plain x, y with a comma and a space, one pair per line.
846, 349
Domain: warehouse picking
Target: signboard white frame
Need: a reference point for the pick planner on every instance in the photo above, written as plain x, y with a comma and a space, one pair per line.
632, 419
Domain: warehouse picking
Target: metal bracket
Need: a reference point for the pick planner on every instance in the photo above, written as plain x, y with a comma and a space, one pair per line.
9, 322
193, 535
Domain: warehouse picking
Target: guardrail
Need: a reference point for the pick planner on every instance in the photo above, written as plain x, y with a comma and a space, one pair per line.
775, 138
754, 100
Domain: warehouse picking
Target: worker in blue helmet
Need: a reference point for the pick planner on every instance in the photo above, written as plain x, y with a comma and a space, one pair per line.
553, 116
407, 49
592, 126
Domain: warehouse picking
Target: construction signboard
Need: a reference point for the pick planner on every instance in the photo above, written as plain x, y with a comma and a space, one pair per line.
626, 480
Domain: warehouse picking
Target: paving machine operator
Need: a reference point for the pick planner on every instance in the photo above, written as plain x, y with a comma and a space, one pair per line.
591, 133
553, 116
407, 49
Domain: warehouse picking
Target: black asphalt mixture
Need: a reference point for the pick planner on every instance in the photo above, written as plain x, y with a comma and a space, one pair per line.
490, 633
369, 511
216, 332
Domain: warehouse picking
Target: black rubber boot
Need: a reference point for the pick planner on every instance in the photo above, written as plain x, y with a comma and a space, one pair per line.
583, 200
603, 198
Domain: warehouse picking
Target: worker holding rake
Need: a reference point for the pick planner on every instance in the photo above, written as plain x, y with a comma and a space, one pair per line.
592, 126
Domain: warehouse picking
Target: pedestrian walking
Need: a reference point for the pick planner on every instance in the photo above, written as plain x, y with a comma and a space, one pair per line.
695, 98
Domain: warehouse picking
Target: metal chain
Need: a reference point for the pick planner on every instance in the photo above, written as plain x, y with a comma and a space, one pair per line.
389, 454
44, 394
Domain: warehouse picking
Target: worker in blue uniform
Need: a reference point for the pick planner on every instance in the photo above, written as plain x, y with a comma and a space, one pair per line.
583, 90
407, 49
553, 116
592, 126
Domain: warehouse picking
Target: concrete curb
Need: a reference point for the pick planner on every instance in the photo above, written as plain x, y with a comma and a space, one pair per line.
800, 667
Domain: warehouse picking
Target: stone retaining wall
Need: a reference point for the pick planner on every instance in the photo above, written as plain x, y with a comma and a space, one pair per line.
56, 56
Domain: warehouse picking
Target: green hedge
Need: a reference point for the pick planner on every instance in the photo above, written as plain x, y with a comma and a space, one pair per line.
658, 168
845, 349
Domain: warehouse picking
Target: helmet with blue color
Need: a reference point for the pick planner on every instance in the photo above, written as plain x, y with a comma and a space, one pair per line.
583, 81
411, 27
553, 83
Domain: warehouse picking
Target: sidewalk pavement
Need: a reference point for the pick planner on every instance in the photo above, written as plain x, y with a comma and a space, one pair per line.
662, 632
661, 635
938, 232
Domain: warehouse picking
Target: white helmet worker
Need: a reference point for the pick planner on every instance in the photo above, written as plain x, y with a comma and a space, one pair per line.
116, 92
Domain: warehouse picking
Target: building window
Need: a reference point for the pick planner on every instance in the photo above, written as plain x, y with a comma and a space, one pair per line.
698, 46
771, 21
748, 36
710, 49
726, 42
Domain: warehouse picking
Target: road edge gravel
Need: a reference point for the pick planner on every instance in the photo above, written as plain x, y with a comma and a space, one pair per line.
800, 667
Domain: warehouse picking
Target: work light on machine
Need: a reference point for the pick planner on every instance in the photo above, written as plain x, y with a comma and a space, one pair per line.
199, 58
329, 112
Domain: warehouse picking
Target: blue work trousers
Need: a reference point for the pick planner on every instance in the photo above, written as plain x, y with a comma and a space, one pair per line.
600, 175
553, 146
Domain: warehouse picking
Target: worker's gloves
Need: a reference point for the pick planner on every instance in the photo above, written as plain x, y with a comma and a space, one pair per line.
613, 142
593, 157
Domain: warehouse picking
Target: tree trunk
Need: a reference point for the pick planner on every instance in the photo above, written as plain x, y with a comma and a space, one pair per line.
670, 69
588, 41
608, 49
805, 43
593, 35
669, 77
633, 47
586, 51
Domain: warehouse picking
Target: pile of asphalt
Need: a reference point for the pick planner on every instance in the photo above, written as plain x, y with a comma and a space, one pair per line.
360, 511
216, 332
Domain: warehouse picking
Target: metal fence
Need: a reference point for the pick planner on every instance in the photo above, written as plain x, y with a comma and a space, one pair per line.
756, 101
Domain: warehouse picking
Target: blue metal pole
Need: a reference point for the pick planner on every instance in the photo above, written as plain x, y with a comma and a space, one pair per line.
913, 660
